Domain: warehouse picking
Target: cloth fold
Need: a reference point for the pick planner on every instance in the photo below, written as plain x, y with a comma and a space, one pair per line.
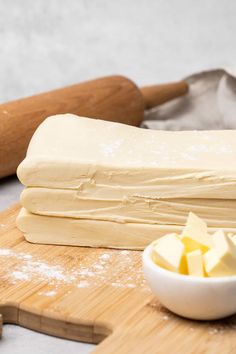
209, 104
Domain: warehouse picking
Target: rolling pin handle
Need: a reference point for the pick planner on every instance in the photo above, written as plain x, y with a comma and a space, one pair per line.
159, 94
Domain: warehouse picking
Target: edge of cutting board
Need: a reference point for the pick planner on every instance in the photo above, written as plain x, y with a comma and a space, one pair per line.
130, 320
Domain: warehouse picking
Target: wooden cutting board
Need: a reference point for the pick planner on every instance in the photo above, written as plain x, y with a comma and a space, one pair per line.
95, 295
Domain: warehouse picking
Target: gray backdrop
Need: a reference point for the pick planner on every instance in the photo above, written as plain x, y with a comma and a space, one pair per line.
46, 44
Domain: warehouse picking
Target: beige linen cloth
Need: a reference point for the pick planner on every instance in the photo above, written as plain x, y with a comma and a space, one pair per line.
209, 104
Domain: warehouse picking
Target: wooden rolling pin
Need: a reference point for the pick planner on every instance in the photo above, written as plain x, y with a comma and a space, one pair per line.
113, 98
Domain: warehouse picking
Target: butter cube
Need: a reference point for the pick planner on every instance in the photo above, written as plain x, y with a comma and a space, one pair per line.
194, 235
168, 252
233, 238
213, 265
230, 234
225, 249
195, 263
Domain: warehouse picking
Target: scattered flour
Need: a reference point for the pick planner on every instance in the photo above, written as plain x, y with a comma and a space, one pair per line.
131, 286
89, 269
98, 266
83, 284
165, 317
47, 293
124, 252
117, 285
213, 330
18, 275
27, 256
221, 328
104, 256
5, 252
86, 273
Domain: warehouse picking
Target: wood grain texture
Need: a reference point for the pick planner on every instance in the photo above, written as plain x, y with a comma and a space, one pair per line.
108, 310
159, 94
113, 98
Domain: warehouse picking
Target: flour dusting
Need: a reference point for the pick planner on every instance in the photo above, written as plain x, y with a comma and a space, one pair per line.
5, 252
104, 256
47, 293
85, 268
83, 284
18, 275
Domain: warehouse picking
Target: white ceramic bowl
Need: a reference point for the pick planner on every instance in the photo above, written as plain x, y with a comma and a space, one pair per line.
192, 297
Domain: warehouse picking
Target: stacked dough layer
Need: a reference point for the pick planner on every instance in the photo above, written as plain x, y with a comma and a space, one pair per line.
96, 183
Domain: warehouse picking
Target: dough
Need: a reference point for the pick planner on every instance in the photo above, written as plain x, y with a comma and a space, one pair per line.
93, 233
101, 158
69, 203
96, 183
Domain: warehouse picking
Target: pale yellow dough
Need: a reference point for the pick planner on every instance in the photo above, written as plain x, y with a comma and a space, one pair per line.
69, 203
113, 185
92, 233
107, 160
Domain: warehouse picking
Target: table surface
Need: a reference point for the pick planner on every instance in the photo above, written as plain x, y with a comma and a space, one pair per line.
45, 45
